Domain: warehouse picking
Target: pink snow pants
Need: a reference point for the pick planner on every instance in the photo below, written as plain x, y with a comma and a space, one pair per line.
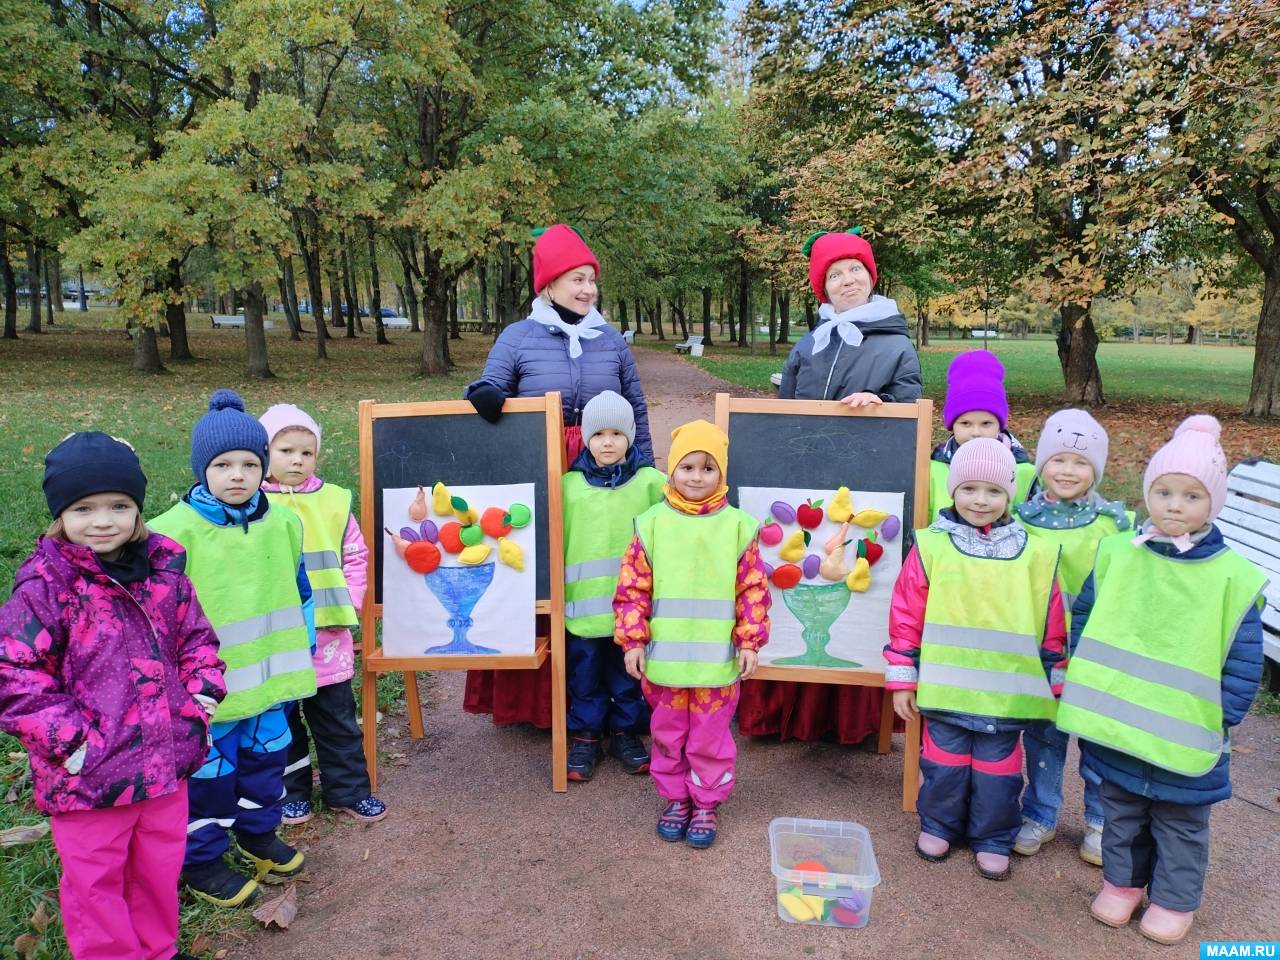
120, 866
693, 755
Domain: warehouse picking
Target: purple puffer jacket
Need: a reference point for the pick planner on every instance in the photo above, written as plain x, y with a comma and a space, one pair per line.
84, 658
530, 359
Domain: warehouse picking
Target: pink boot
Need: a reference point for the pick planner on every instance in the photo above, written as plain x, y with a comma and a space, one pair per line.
1114, 905
992, 866
1165, 926
931, 848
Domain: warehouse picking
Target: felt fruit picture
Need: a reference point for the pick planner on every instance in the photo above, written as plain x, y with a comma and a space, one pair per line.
519, 515
783, 512
889, 529
867, 547
860, 579
810, 566
471, 534
869, 518
793, 549
418, 509
422, 557
786, 576
476, 553
809, 515
509, 552
495, 523
440, 500
771, 534
840, 509
450, 537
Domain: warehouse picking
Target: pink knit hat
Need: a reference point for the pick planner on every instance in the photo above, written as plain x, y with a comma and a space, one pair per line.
283, 416
1194, 452
1073, 431
975, 381
985, 460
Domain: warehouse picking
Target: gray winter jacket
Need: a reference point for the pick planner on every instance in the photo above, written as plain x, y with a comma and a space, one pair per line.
884, 364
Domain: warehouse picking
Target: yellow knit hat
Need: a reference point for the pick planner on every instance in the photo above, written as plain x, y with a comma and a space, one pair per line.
696, 436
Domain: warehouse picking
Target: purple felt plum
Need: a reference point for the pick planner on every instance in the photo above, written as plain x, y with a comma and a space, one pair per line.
429, 531
410, 534
810, 566
783, 512
890, 528
768, 569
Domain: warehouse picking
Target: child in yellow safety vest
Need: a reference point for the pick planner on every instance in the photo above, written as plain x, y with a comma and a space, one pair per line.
1066, 512
692, 611
604, 491
975, 633
337, 563
976, 406
1166, 641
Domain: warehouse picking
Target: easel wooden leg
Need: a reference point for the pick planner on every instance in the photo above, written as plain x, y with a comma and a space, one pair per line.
886, 723
911, 764
559, 711
369, 715
413, 705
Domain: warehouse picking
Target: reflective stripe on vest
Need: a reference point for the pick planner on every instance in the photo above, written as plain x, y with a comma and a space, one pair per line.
978, 656
247, 586
1079, 546
1025, 474
695, 570
1134, 684
324, 513
599, 523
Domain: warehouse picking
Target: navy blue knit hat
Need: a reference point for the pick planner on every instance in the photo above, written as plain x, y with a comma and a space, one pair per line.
87, 463
225, 427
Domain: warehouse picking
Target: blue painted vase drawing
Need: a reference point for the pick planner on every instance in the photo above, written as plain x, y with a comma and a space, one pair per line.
459, 589
817, 606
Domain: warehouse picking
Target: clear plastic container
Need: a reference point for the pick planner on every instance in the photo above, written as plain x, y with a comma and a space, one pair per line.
824, 870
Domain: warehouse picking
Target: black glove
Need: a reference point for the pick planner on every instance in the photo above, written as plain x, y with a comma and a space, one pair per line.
488, 401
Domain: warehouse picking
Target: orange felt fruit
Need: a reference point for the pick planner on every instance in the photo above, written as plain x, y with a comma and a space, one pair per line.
451, 537
422, 557
494, 522
811, 866
786, 576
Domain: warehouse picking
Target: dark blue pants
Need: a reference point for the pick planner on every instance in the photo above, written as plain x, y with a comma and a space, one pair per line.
240, 785
1155, 844
971, 782
331, 716
602, 697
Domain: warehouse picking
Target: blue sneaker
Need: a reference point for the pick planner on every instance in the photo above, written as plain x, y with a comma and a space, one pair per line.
295, 811
675, 820
368, 810
702, 828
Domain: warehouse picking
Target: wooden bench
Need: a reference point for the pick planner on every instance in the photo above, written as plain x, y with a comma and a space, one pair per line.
1250, 523
687, 346
396, 323
220, 320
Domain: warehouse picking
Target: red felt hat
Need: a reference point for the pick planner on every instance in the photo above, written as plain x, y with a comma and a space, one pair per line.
558, 250
824, 249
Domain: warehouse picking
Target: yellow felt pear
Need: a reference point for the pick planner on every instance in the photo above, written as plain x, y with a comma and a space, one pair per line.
510, 553
860, 579
441, 502
475, 554
793, 549
840, 509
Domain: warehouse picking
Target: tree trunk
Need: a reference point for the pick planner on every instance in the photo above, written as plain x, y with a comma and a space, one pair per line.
810, 320
784, 314
922, 323
733, 321
33, 286
745, 317
677, 311
1078, 355
706, 316
1193, 334
146, 351
655, 318
455, 332
435, 300
289, 298
48, 288
411, 297
55, 271
1264, 391
10, 295
315, 281
482, 275
175, 315
348, 285
773, 319
673, 319
84, 301
255, 337
622, 315
335, 298
375, 286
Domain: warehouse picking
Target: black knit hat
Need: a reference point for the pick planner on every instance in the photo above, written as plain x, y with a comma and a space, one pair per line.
87, 463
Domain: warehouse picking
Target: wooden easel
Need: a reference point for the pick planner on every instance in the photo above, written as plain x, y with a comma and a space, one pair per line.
922, 413
374, 661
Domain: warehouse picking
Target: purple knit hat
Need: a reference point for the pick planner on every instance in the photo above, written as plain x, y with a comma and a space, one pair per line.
986, 460
1073, 431
975, 381
1195, 452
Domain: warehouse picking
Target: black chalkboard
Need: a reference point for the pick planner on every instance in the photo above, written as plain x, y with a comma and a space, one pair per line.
462, 449
876, 454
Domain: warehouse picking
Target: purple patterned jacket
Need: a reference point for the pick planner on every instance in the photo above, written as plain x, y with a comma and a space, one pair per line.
84, 658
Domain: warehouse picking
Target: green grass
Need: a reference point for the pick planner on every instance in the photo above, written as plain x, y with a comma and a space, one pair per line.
65, 381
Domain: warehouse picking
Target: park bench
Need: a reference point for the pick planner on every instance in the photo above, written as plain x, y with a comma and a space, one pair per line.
629, 337
220, 320
396, 323
1250, 523
692, 346
775, 379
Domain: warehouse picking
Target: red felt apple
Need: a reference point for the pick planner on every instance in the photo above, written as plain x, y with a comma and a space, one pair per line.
809, 515
771, 534
495, 522
422, 556
451, 537
867, 547
786, 576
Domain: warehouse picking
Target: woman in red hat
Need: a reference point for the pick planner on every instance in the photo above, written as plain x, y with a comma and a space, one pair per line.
861, 355
564, 345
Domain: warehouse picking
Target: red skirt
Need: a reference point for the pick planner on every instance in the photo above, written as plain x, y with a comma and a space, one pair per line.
809, 711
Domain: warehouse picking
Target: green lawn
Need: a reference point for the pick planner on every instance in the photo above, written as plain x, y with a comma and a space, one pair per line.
61, 382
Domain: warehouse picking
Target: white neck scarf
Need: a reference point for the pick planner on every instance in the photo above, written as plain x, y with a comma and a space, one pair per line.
846, 323
588, 328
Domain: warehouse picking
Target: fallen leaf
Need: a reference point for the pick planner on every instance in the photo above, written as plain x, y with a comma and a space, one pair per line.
220, 955
25, 946
200, 945
29, 833
40, 920
280, 911
17, 756
1242, 749
366, 855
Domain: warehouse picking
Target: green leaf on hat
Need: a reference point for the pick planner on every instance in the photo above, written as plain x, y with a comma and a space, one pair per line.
807, 249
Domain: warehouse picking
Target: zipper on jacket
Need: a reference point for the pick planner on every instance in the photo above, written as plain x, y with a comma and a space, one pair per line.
831, 373
155, 634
